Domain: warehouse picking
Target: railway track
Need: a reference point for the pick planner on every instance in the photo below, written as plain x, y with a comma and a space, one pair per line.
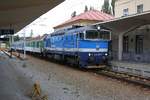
12, 55
6, 53
138, 80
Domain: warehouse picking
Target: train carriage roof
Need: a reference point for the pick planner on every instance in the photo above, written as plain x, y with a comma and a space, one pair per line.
38, 38
127, 23
59, 32
74, 29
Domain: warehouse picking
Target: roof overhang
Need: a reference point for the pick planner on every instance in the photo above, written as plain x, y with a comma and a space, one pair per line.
128, 23
75, 22
15, 14
4, 39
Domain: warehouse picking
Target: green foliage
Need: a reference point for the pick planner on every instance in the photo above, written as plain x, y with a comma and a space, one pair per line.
31, 34
113, 6
91, 8
73, 14
86, 9
106, 7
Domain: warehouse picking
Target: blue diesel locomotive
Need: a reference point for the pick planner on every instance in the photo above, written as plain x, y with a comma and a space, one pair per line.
86, 47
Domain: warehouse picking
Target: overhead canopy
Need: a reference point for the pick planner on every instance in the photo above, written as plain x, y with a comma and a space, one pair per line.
4, 39
15, 14
125, 24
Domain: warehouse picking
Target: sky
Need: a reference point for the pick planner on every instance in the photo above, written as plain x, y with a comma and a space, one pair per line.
59, 14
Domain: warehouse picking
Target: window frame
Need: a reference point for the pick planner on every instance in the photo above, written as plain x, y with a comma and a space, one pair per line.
125, 44
140, 8
139, 44
126, 12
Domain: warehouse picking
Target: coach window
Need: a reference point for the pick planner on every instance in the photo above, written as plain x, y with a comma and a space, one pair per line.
29, 44
38, 44
33, 44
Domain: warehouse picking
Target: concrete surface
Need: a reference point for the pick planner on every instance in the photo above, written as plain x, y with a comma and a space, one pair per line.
11, 81
142, 69
61, 82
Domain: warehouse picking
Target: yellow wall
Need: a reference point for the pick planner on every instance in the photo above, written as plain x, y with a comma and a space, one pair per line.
131, 5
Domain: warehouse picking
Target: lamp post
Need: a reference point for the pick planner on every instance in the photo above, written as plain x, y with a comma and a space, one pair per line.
24, 43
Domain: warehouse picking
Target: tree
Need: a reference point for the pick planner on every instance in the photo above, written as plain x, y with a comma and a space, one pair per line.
73, 14
86, 9
113, 6
31, 34
91, 8
106, 7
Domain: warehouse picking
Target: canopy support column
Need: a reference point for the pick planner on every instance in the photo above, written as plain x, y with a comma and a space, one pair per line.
120, 48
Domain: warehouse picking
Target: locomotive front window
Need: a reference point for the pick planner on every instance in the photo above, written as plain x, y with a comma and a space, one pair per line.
92, 34
104, 35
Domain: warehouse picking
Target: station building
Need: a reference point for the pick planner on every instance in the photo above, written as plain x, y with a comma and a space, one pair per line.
131, 37
84, 19
129, 7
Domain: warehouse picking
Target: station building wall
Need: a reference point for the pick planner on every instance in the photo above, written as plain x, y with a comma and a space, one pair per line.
128, 7
137, 39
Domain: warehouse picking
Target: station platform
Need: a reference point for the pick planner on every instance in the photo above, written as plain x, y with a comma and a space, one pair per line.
136, 68
12, 82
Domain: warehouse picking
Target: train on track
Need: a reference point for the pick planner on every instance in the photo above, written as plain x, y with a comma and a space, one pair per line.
86, 47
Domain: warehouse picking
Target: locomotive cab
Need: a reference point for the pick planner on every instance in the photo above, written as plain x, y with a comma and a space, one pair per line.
93, 47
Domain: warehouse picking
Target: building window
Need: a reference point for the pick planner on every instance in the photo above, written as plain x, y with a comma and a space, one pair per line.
125, 12
140, 8
139, 44
125, 44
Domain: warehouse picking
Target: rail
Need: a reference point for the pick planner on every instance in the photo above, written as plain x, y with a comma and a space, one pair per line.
12, 54
139, 80
145, 82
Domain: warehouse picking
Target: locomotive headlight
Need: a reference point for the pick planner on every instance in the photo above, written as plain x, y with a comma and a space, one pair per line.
106, 54
89, 54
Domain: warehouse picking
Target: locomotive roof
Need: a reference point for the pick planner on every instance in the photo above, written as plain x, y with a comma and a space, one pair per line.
83, 29
77, 29
59, 32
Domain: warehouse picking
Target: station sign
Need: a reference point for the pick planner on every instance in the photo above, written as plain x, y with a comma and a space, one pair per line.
6, 31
